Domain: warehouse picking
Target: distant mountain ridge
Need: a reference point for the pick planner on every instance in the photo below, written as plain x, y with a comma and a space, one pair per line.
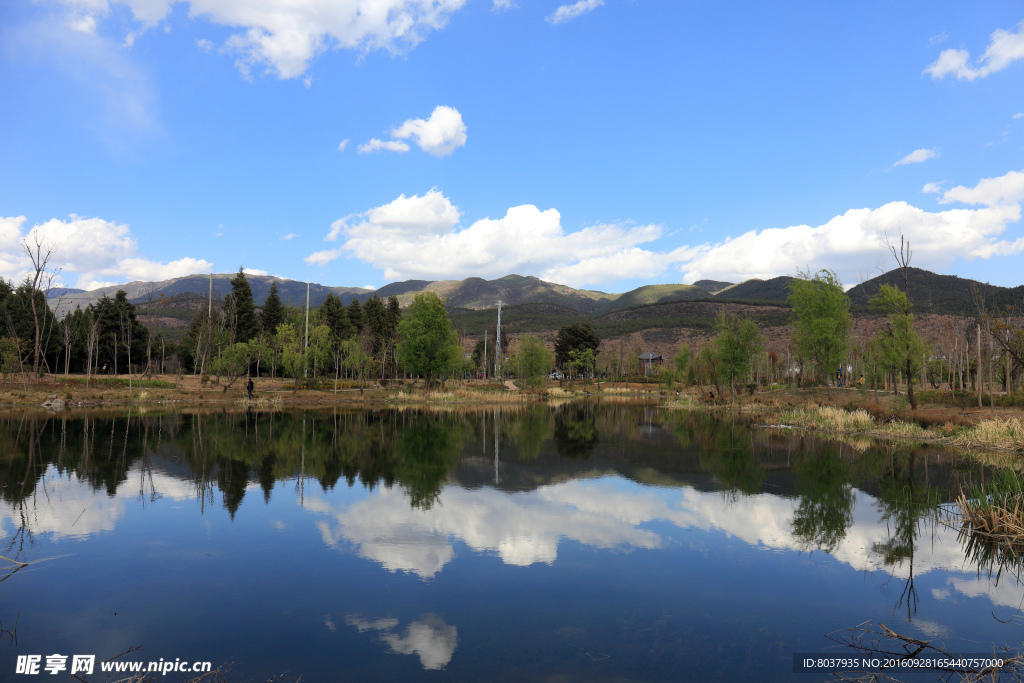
929, 292
292, 292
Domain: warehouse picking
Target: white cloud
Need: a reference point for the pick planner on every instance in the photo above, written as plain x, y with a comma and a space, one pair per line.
1006, 190
567, 12
1019, 115
342, 145
415, 237
933, 188
916, 157
86, 24
439, 135
502, 4
1003, 49
420, 238
253, 271
286, 35
391, 145
853, 241
289, 236
95, 250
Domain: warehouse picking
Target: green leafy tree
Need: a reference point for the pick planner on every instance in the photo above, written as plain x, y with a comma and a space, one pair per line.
682, 361
578, 336
429, 346
289, 342
899, 345
706, 366
821, 321
583, 360
235, 359
737, 342
533, 360
357, 357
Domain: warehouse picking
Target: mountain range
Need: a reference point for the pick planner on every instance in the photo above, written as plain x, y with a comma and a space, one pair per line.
548, 305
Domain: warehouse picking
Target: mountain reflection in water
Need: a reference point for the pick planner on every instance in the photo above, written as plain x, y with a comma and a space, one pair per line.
619, 497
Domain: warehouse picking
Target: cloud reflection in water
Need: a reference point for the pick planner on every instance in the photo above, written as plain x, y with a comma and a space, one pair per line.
429, 637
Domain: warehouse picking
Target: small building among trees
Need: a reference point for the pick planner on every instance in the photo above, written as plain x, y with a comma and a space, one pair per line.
650, 360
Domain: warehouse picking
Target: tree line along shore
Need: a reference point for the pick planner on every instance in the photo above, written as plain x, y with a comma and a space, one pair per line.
378, 346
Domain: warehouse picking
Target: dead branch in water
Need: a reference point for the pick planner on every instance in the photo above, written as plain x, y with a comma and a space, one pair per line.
884, 643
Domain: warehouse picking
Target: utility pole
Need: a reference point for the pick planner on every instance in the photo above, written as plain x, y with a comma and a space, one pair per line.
979, 374
497, 346
305, 344
991, 375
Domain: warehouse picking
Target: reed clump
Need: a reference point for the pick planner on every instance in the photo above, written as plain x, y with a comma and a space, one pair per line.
992, 516
829, 419
263, 402
1001, 434
459, 396
995, 508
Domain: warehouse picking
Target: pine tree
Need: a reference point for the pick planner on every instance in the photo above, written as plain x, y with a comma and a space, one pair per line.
273, 312
375, 318
244, 309
334, 315
355, 315
394, 315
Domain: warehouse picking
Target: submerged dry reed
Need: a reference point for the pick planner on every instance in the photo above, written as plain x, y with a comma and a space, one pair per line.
995, 434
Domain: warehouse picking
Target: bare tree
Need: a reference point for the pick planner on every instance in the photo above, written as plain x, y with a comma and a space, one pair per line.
908, 357
39, 254
70, 335
92, 342
125, 321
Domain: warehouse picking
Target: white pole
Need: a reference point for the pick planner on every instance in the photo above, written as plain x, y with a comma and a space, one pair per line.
305, 344
497, 347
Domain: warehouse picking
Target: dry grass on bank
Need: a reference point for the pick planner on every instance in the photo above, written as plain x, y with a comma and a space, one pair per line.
459, 396
993, 434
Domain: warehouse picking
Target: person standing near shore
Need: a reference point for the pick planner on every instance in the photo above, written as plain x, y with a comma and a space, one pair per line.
249, 387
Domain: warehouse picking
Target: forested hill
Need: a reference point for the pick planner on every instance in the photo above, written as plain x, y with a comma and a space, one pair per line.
776, 289
933, 293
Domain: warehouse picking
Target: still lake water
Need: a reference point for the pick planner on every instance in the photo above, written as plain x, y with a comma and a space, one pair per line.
596, 541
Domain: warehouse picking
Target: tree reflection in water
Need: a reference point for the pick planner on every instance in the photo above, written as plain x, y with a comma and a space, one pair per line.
905, 504
826, 498
731, 458
576, 433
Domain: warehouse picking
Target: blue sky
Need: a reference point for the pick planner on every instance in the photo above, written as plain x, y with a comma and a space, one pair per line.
601, 144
